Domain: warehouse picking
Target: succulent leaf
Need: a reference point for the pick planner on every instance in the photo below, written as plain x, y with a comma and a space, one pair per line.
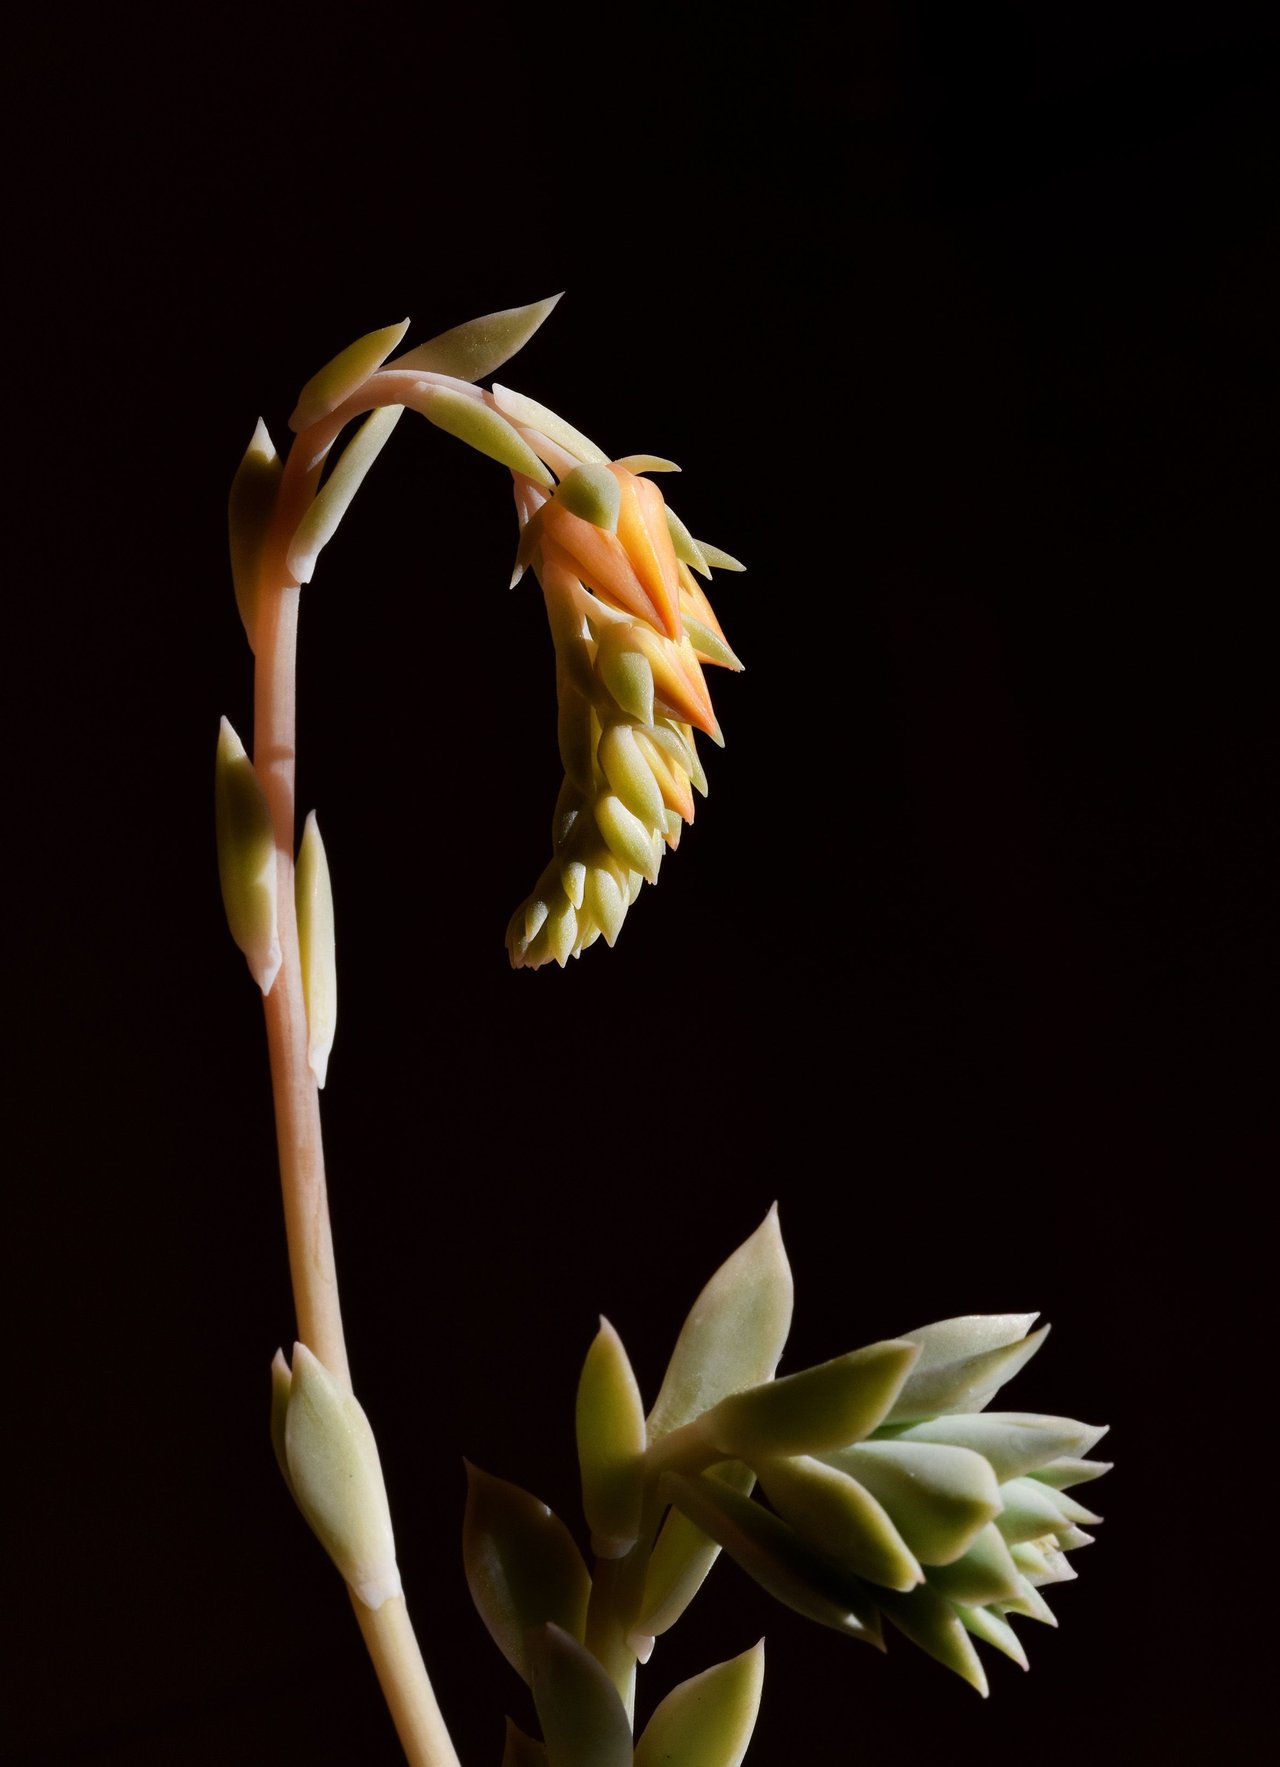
611, 1442
813, 1412
827, 1506
583, 1719
680, 1562
250, 508
473, 351
246, 857
522, 1566
774, 1556
707, 1721
349, 369
735, 1332
313, 895
939, 1498
331, 502
481, 428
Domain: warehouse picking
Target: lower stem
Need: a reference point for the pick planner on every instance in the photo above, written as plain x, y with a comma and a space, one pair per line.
387, 1631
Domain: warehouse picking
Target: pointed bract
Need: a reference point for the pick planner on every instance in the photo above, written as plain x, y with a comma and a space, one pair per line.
247, 865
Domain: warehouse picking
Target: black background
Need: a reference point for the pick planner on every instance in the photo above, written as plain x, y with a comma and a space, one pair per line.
962, 325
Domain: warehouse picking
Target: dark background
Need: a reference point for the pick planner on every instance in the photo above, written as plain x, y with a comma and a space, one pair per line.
962, 325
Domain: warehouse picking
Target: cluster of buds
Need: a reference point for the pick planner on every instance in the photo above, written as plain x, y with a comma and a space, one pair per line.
632, 629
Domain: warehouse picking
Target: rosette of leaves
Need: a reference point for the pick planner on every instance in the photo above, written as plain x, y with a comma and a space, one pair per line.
874, 1487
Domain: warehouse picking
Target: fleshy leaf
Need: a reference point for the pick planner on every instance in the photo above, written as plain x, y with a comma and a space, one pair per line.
680, 1561
336, 1477
992, 1628
930, 1621
583, 1719
735, 1332
338, 379
472, 351
1014, 1442
838, 1515
1063, 1474
250, 508
482, 429
313, 894
951, 1377
813, 1412
1033, 1509
522, 1566
530, 415
939, 1498
246, 857
687, 548
707, 1721
281, 1380
611, 1440
774, 1556
986, 1572
320, 523
718, 560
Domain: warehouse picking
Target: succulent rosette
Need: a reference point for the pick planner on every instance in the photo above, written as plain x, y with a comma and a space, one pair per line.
893, 1493
877, 1486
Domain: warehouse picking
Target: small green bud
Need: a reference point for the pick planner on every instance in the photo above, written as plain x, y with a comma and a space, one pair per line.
336, 1477
313, 895
246, 858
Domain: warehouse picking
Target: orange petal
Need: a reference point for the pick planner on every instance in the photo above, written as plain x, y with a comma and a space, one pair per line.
642, 529
601, 561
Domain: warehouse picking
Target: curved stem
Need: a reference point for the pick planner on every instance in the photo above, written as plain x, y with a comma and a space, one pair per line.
387, 1631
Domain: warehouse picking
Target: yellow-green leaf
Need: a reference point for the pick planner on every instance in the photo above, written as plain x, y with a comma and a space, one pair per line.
706, 1721
331, 502
481, 428
313, 895
473, 350
522, 1566
813, 1412
338, 379
246, 857
250, 508
610, 1428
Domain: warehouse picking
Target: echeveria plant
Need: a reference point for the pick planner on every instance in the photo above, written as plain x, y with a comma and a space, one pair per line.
873, 1487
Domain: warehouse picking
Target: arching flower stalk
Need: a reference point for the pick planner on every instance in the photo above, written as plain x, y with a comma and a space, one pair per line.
632, 630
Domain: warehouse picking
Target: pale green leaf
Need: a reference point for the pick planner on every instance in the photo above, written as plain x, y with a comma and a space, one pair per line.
734, 1334
609, 1417
775, 1557
481, 428
957, 1379
333, 499
679, 1564
939, 1498
813, 1412
707, 1721
313, 894
1015, 1442
338, 379
246, 857
522, 1566
929, 1620
839, 1517
250, 508
986, 1572
336, 1477
530, 415
582, 1716
473, 350
992, 1628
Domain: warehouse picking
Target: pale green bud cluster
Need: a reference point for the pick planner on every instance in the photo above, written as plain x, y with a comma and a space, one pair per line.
873, 1487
